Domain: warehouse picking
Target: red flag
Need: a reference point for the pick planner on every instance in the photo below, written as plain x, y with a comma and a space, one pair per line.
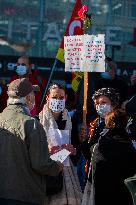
75, 27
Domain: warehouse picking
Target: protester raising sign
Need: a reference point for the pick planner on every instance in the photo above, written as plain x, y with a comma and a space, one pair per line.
84, 53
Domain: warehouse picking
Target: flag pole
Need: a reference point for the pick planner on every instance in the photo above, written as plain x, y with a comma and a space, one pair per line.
86, 24
46, 87
85, 97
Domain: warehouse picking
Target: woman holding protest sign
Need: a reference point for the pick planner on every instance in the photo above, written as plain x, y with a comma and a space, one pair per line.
57, 124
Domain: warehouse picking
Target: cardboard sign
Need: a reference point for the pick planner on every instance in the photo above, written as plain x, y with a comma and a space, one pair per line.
84, 53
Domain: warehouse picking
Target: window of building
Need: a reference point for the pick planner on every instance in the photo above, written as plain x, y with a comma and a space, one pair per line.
117, 8
133, 10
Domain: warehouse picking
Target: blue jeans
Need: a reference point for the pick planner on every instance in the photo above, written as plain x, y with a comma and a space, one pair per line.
13, 202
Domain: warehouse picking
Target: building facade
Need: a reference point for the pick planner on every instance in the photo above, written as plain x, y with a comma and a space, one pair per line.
36, 27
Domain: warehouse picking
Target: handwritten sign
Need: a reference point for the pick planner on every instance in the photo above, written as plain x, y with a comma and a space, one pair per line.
84, 53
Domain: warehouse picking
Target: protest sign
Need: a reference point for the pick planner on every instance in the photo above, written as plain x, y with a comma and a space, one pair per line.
84, 53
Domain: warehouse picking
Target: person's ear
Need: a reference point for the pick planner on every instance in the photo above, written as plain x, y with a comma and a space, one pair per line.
28, 98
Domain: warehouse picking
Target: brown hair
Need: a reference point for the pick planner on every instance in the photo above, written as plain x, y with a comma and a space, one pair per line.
116, 119
54, 86
109, 93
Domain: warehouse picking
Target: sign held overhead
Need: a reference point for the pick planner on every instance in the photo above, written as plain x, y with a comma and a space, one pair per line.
84, 53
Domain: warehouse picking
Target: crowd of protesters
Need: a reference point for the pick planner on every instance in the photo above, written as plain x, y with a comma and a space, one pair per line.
102, 152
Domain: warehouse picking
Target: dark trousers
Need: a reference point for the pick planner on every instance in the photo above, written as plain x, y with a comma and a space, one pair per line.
14, 202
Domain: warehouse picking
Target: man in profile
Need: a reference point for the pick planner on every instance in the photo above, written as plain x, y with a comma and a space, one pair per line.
24, 156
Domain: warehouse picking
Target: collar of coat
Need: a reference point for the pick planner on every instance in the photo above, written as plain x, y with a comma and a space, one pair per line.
46, 116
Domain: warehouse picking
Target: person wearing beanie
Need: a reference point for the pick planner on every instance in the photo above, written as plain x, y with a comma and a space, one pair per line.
105, 100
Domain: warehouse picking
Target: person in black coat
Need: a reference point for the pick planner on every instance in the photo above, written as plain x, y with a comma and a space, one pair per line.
113, 160
105, 100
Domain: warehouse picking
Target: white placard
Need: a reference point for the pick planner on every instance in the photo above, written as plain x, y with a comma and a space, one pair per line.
60, 156
84, 53
58, 137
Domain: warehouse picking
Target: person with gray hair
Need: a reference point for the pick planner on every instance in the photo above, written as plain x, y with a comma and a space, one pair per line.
24, 154
22, 92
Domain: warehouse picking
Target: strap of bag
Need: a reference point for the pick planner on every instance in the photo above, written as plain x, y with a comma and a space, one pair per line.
90, 167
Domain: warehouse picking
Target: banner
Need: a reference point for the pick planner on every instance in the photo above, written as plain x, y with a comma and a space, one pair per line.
85, 53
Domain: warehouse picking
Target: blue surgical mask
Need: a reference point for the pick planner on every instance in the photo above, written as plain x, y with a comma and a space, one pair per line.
105, 75
21, 70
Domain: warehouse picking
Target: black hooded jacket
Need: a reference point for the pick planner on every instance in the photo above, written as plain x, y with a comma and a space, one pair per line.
113, 161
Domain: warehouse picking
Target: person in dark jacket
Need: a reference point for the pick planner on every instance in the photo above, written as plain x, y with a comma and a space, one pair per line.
113, 161
24, 154
105, 100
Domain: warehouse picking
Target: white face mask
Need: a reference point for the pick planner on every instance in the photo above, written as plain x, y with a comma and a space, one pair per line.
57, 105
102, 110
